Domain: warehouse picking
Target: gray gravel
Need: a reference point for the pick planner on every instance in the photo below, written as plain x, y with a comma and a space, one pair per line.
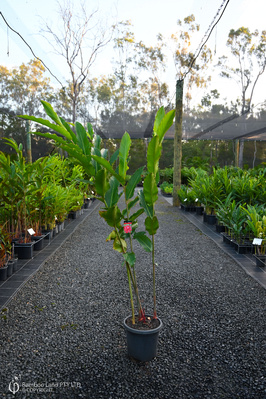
62, 334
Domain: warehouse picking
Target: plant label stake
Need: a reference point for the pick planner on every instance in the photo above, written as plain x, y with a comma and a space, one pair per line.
127, 226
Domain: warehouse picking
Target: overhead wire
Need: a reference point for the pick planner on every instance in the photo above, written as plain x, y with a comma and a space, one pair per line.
39, 59
207, 34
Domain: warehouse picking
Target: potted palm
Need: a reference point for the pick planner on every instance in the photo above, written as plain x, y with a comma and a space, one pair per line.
123, 220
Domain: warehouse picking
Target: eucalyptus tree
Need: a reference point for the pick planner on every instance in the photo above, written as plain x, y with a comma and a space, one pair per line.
21, 89
249, 53
194, 70
78, 37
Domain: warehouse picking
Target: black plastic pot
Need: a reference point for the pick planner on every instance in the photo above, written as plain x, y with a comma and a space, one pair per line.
142, 344
260, 260
210, 219
24, 250
38, 242
3, 273
199, 210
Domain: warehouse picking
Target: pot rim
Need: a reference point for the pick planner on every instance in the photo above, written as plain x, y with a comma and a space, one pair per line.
143, 331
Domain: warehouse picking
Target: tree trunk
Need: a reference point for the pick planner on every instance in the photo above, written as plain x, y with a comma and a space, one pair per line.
178, 141
241, 154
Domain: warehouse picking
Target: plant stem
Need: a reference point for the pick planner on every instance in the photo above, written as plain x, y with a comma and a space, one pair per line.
130, 292
154, 289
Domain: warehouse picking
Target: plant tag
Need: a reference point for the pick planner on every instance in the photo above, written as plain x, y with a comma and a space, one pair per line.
31, 231
257, 241
127, 226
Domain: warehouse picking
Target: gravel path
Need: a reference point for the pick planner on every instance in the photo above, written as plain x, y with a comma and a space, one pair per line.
62, 335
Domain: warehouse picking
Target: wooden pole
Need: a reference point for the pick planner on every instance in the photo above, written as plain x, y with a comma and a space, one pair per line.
178, 141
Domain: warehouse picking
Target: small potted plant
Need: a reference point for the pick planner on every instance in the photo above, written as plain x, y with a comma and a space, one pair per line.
123, 221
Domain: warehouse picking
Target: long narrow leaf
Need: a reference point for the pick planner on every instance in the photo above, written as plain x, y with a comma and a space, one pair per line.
153, 155
51, 112
112, 196
82, 139
143, 240
123, 154
132, 183
45, 122
106, 164
165, 124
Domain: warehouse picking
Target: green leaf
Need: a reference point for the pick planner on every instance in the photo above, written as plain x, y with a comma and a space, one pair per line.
112, 236
60, 129
143, 240
136, 214
123, 154
104, 153
97, 142
82, 139
106, 164
165, 124
120, 245
153, 155
142, 202
112, 196
50, 112
68, 128
133, 202
130, 258
101, 182
150, 189
132, 183
114, 156
158, 118
112, 216
152, 224
90, 131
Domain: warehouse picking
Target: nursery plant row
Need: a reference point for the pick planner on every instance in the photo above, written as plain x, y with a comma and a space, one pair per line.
36, 199
233, 200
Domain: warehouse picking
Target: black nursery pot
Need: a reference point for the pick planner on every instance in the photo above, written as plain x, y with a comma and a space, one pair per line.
142, 344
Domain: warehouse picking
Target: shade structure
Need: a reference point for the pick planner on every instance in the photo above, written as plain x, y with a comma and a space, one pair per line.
203, 126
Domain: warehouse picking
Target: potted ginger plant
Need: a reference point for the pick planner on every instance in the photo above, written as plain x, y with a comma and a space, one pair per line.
123, 221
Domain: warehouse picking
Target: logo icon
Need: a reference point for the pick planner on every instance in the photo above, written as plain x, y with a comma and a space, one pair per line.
14, 385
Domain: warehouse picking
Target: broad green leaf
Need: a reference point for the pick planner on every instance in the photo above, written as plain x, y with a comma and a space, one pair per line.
60, 129
112, 216
123, 154
142, 202
136, 214
68, 128
112, 196
51, 112
158, 118
152, 224
130, 258
165, 124
112, 236
106, 164
114, 156
97, 142
90, 131
120, 245
143, 240
153, 155
133, 202
101, 182
82, 139
104, 153
150, 189
132, 183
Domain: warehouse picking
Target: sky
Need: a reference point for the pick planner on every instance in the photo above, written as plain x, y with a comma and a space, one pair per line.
148, 18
